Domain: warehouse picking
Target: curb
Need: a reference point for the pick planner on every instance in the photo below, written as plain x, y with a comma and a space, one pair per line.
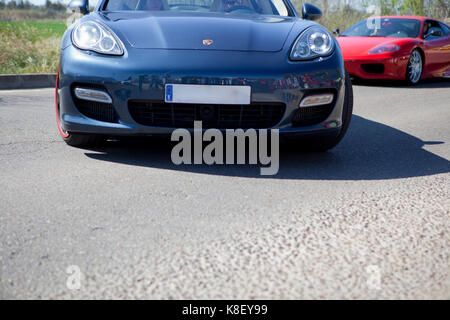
27, 81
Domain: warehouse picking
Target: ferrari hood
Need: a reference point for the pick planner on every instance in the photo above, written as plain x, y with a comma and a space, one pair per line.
203, 31
360, 46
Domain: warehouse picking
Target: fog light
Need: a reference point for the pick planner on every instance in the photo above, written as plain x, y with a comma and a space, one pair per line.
317, 100
92, 95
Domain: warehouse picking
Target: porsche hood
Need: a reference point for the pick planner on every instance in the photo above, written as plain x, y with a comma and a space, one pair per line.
201, 31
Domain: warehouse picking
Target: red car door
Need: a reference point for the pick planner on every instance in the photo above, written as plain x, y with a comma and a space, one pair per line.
437, 48
445, 50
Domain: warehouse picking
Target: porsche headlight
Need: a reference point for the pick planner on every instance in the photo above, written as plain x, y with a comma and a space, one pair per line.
90, 35
312, 43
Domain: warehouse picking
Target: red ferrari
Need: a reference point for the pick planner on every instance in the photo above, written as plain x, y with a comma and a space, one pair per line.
398, 48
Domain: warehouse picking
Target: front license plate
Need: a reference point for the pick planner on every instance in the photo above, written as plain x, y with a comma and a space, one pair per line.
204, 94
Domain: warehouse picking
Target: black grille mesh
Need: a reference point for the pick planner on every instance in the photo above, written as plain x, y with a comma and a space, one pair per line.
312, 115
161, 114
94, 110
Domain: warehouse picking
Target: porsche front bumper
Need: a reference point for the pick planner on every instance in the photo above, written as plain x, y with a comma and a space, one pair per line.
141, 75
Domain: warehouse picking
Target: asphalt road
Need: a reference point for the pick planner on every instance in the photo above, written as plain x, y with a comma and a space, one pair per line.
370, 219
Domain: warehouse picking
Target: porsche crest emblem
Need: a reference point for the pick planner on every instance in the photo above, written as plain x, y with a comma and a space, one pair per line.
207, 42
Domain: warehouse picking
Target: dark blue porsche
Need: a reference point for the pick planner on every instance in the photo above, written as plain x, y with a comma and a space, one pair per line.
146, 67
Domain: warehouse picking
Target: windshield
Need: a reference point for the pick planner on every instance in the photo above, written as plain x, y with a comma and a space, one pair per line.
387, 27
263, 7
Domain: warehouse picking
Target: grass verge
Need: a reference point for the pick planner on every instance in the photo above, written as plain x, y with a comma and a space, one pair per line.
30, 47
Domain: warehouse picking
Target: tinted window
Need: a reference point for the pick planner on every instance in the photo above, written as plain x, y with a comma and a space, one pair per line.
265, 7
429, 26
386, 27
445, 28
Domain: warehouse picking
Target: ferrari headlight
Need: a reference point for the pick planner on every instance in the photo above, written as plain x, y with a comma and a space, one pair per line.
385, 48
90, 35
312, 43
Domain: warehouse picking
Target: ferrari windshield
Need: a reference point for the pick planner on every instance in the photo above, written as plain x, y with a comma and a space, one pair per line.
385, 27
264, 7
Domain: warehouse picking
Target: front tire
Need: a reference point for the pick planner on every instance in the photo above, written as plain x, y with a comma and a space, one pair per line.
414, 69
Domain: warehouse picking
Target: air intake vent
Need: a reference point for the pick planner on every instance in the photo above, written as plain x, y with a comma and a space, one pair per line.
94, 110
312, 115
377, 68
161, 114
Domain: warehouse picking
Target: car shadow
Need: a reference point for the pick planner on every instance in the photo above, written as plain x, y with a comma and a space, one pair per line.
434, 83
370, 151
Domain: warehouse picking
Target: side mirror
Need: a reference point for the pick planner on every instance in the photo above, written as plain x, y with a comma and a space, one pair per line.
433, 33
81, 6
336, 32
436, 33
311, 12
